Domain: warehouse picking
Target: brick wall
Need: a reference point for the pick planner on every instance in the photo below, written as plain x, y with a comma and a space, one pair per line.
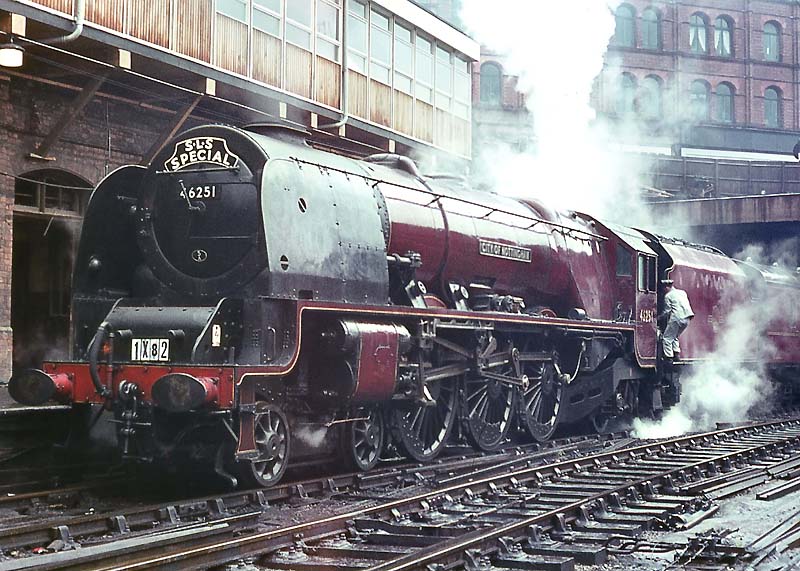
509, 121
746, 70
28, 110
6, 237
511, 98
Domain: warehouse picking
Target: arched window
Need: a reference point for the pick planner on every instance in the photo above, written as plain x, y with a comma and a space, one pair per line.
650, 104
772, 41
491, 84
626, 94
698, 25
625, 34
48, 204
772, 107
723, 29
698, 100
651, 29
724, 103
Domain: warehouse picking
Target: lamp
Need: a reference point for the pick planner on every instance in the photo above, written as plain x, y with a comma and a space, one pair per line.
11, 54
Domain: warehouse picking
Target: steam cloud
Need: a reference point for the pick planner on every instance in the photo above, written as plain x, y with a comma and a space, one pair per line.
728, 386
783, 253
310, 436
732, 383
575, 165
557, 60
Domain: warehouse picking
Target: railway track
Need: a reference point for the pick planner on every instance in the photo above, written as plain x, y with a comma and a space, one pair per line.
101, 527
519, 516
24, 430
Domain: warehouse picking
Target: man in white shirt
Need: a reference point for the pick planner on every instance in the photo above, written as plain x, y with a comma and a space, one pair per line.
679, 313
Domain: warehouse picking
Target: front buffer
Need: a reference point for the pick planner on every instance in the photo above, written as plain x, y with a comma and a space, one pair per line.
152, 366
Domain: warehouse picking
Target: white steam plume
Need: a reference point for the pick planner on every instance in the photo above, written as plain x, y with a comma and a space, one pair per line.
557, 59
732, 382
313, 437
784, 253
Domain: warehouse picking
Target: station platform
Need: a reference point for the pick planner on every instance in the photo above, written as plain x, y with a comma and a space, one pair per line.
23, 427
5, 399
9, 407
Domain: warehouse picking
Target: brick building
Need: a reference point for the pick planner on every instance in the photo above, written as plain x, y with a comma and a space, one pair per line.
138, 71
709, 90
499, 112
716, 74
719, 74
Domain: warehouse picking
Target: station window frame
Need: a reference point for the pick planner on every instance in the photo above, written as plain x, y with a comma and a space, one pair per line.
698, 33
323, 38
266, 9
234, 9
724, 29
297, 26
444, 78
381, 32
651, 29
771, 36
462, 87
404, 78
358, 18
424, 68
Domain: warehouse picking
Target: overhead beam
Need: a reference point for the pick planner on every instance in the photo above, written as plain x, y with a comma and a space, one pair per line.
67, 117
264, 95
69, 87
755, 209
13, 24
177, 123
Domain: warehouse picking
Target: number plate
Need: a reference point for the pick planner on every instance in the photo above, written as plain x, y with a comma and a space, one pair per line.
150, 350
201, 192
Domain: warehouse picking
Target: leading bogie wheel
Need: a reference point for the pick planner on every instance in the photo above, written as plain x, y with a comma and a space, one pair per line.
271, 431
423, 429
488, 411
363, 439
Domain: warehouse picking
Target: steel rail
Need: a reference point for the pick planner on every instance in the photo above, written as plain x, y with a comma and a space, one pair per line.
12, 500
475, 540
215, 506
232, 548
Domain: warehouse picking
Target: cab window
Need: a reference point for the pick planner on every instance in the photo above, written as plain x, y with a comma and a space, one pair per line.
652, 282
646, 273
641, 273
624, 262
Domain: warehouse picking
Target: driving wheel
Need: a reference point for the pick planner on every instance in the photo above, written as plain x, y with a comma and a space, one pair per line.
422, 429
541, 402
488, 411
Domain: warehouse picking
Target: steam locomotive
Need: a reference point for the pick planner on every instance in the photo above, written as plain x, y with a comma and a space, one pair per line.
252, 301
